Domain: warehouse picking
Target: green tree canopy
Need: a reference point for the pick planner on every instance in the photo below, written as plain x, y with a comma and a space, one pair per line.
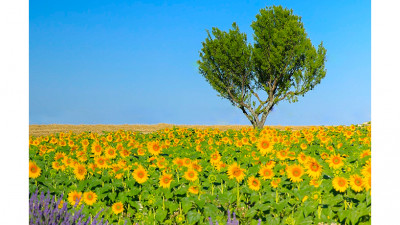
281, 64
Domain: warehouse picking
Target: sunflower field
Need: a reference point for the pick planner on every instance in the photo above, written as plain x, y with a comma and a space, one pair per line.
187, 176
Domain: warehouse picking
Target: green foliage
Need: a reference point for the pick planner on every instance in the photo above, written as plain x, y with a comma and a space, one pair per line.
282, 63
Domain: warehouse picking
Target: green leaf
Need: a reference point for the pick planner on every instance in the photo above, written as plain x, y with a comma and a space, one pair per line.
210, 210
161, 214
193, 217
186, 204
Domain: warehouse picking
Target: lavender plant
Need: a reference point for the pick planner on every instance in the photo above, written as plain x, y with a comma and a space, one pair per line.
231, 221
44, 210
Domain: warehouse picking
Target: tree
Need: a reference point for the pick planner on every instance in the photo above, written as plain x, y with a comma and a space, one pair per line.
282, 64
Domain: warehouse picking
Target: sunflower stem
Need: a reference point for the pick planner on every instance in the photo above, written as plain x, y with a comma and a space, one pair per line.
238, 195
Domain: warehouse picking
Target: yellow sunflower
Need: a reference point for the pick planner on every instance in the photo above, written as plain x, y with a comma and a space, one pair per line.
80, 172
165, 180
295, 172
140, 175
190, 175
340, 184
314, 169
89, 197
264, 146
335, 161
315, 182
254, 183
366, 170
275, 182
111, 153
100, 162
34, 170
194, 189
367, 183
215, 158
356, 183
303, 146
74, 197
266, 173
117, 207
154, 148
234, 171
97, 149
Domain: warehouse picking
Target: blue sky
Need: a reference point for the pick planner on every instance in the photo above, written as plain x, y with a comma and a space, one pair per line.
133, 62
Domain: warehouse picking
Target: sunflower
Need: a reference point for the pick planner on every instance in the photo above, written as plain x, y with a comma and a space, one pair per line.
275, 182
196, 166
140, 174
303, 146
111, 153
356, 183
254, 183
215, 158
340, 184
266, 172
190, 175
117, 207
178, 162
96, 149
367, 183
186, 162
100, 162
335, 161
59, 155
315, 182
234, 171
302, 158
89, 197
57, 166
264, 145
295, 172
75, 197
165, 180
270, 164
314, 169
141, 151
161, 163
34, 170
80, 172
154, 148
282, 155
366, 170
194, 189
124, 153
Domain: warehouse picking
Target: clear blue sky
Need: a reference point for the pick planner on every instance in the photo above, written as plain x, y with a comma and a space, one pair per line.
133, 62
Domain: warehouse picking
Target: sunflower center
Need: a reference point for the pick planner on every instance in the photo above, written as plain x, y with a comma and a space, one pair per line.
267, 173
296, 172
89, 197
255, 183
342, 183
314, 167
140, 174
265, 144
237, 172
336, 161
111, 152
191, 174
166, 180
33, 169
358, 182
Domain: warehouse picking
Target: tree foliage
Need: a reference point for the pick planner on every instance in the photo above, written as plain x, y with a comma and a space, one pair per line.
282, 64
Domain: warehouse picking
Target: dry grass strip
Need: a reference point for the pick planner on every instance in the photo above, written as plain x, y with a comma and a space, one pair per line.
40, 130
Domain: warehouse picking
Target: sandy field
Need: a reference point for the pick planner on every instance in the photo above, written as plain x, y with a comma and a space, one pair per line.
39, 130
